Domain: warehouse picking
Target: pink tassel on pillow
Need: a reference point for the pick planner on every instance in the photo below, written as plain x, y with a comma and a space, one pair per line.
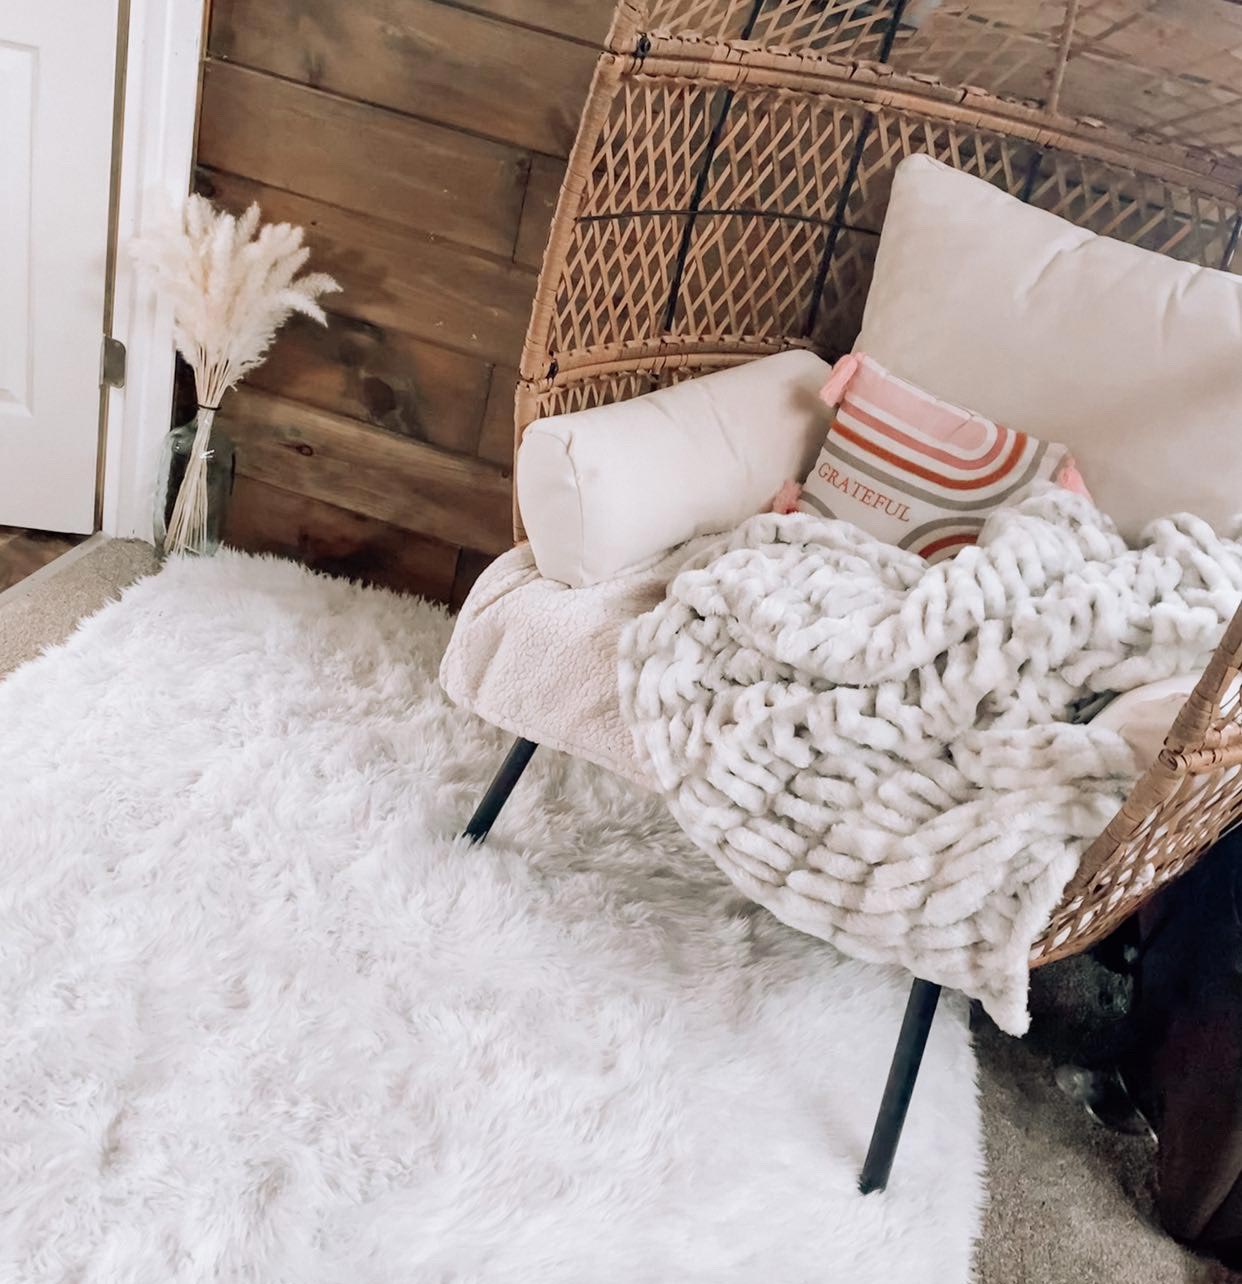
845, 369
786, 499
1069, 477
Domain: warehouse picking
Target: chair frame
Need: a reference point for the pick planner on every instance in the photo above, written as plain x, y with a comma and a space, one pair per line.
723, 200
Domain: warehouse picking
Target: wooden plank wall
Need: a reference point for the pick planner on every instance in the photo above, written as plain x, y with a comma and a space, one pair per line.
421, 143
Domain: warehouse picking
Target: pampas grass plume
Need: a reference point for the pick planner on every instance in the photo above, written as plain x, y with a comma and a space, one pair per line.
232, 283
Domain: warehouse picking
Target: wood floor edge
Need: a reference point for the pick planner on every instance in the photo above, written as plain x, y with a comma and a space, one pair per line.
53, 568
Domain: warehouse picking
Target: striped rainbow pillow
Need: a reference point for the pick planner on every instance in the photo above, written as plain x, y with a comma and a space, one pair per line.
913, 470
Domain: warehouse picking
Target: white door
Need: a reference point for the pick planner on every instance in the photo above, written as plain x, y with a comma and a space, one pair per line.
57, 72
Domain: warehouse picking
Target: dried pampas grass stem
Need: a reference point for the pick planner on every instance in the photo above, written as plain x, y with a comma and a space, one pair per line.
232, 284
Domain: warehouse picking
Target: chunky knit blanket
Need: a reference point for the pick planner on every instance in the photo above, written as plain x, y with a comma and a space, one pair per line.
881, 751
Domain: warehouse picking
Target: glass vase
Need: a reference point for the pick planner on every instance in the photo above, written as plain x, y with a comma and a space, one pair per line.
221, 468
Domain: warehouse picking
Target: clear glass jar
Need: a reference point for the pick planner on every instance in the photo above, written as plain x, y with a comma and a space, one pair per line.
221, 468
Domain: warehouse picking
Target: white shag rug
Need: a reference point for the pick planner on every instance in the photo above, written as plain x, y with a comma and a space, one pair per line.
266, 1019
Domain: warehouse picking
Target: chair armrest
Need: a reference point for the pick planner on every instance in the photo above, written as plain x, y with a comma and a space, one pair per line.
603, 491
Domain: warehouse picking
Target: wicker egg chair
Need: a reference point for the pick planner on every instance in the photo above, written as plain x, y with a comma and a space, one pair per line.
724, 200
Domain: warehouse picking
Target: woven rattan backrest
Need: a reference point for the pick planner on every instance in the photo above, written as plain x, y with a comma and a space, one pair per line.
727, 190
726, 193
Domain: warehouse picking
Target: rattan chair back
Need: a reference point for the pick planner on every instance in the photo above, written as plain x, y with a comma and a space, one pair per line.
725, 197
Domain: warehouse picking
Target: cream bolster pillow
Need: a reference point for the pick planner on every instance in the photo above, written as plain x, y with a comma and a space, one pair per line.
1131, 359
603, 491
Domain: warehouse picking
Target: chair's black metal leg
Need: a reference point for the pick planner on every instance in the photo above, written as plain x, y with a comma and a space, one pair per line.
915, 1026
499, 790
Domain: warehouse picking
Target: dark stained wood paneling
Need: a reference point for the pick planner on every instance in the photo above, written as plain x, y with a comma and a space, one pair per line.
419, 57
453, 498
586, 20
496, 439
383, 377
361, 158
421, 145
546, 176
266, 519
454, 297
469, 567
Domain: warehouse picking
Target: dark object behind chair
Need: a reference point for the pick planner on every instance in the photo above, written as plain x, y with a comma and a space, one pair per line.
1184, 1066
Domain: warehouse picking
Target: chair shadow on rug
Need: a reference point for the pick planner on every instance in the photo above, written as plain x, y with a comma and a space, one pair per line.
661, 265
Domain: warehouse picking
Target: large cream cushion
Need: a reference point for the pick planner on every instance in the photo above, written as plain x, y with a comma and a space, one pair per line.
606, 490
1132, 359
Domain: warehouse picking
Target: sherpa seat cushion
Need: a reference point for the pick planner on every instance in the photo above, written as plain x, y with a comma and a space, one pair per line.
539, 660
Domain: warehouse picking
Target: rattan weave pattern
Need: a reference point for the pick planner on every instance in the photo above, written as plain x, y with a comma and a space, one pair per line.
1181, 806
1169, 70
726, 193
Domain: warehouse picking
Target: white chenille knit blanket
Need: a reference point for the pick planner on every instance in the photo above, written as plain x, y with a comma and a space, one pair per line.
878, 750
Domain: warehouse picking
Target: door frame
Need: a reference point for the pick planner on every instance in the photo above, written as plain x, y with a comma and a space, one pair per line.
159, 67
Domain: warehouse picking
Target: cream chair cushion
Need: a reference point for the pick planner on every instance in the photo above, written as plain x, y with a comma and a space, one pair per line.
1130, 358
539, 660
1145, 716
603, 491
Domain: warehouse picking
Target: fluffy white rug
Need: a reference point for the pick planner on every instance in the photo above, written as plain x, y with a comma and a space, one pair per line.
266, 1019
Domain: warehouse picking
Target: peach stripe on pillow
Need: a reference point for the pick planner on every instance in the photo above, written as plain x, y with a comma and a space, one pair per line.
1010, 465
907, 405
919, 444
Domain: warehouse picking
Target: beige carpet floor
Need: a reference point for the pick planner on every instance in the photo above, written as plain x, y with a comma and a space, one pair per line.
1069, 1201
45, 608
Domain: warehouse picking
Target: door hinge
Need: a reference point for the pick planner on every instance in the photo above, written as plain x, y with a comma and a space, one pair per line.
112, 363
